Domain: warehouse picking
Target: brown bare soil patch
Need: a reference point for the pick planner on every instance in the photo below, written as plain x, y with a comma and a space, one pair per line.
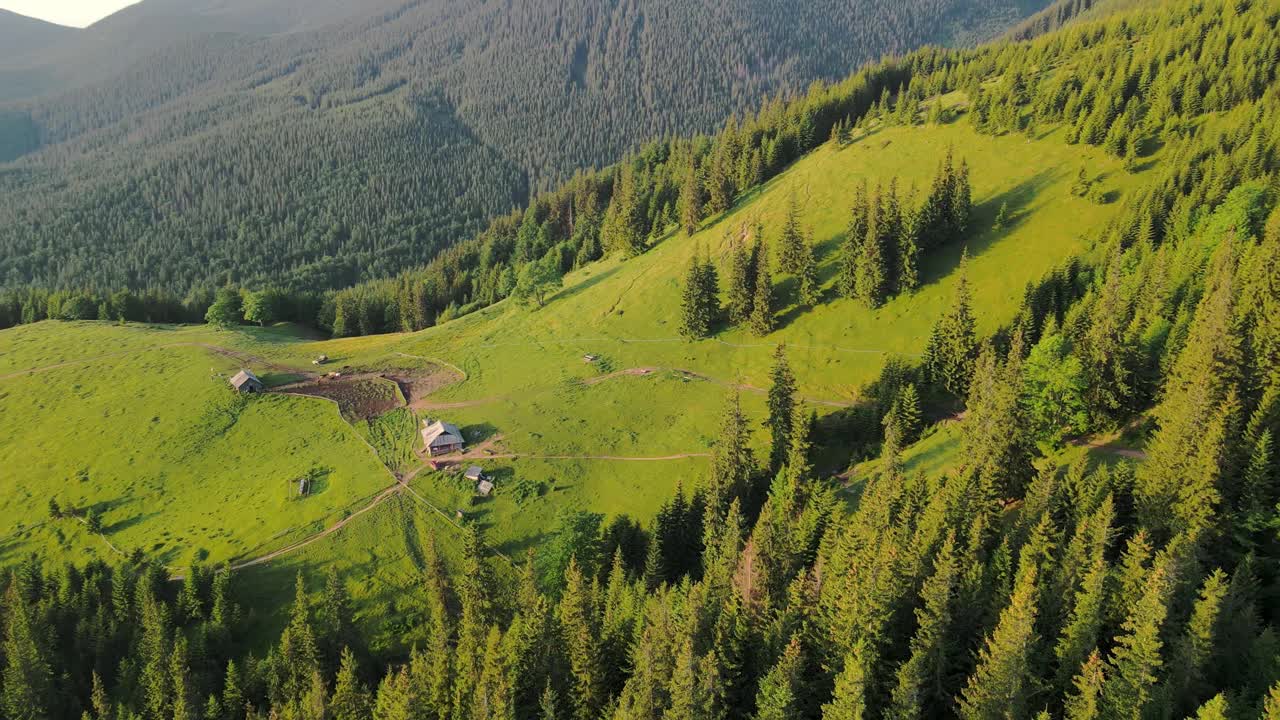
358, 397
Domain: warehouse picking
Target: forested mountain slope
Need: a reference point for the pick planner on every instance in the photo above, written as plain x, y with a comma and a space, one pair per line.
343, 151
1124, 280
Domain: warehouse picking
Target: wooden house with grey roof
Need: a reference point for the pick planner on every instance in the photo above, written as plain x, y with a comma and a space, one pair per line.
441, 438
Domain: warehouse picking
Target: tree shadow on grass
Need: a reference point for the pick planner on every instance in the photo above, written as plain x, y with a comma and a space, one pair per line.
517, 549
941, 262
595, 279
127, 523
479, 432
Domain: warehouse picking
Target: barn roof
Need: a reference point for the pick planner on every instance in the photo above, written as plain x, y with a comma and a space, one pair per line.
475, 472
243, 377
438, 429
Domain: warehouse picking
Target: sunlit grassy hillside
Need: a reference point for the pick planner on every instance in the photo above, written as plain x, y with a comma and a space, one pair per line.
132, 421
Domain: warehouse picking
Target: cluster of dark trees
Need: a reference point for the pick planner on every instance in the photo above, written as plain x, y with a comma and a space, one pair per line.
233, 306
878, 257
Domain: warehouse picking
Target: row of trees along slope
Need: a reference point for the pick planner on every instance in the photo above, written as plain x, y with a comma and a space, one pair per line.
999, 589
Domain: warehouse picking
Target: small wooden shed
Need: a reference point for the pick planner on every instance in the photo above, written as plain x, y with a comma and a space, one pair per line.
246, 381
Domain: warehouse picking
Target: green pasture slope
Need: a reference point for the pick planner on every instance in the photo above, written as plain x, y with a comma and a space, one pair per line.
152, 442
139, 410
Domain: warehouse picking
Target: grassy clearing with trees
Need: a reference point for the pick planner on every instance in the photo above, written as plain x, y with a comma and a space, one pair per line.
1003, 580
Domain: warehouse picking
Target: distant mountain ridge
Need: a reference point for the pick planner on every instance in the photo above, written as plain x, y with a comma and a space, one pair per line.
21, 35
174, 140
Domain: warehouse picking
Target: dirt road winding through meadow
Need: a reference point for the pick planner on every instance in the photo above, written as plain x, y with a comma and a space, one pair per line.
378, 500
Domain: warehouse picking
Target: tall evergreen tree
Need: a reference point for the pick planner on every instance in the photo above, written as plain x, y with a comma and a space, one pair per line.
28, 679
908, 245
742, 281
851, 246
850, 700
1083, 703
732, 462
792, 245
1000, 686
782, 405
871, 285
350, 698
781, 689
921, 689
700, 301
762, 305
1136, 656
953, 344
691, 198
581, 629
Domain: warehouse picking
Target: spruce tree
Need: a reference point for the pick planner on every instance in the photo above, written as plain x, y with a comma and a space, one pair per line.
904, 414
920, 689
154, 650
581, 630
27, 676
183, 700
908, 245
871, 282
742, 278
691, 198
1214, 709
782, 404
475, 596
732, 463
953, 344
1081, 634
233, 700
762, 305
781, 689
350, 698
709, 279
548, 707
1000, 687
792, 245
1193, 652
694, 321
1136, 657
850, 700
1083, 703
394, 698
299, 653
1177, 488
808, 277
851, 247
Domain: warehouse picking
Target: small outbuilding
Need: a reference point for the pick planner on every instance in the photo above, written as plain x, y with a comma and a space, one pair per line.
474, 473
245, 381
441, 438
484, 488
320, 360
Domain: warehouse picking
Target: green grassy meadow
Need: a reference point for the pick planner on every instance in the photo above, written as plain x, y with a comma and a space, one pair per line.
131, 420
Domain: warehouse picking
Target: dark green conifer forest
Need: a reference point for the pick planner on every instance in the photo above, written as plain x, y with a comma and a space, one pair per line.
1009, 588
174, 149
